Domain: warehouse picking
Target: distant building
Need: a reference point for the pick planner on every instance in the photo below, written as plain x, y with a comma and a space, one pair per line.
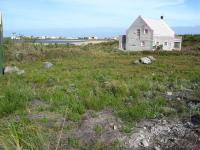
43, 37
92, 38
53, 37
115, 38
15, 37
150, 34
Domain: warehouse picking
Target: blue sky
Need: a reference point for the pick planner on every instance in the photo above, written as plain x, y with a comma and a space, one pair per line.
90, 17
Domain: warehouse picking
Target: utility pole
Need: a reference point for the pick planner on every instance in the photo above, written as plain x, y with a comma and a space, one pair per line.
1, 44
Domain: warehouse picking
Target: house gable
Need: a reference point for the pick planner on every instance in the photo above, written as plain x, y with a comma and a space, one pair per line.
139, 36
139, 19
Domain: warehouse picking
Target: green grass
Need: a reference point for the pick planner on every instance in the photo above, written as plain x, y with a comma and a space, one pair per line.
189, 40
73, 142
21, 135
92, 77
98, 129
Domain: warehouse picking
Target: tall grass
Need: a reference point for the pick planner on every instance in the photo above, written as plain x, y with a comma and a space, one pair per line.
21, 135
14, 97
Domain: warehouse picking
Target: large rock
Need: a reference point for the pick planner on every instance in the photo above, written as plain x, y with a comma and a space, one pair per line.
145, 60
47, 65
10, 69
137, 62
13, 69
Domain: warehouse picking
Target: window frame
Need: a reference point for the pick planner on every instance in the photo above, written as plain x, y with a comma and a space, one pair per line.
138, 33
179, 45
142, 43
146, 31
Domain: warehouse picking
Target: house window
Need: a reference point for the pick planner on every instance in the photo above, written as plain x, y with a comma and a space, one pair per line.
138, 33
146, 31
166, 43
157, 43
142, 44
177, 44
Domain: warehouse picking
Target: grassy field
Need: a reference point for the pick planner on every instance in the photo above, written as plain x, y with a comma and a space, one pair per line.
94, 77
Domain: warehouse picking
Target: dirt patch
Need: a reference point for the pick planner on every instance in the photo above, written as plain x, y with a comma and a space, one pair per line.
104, 127
152, 134
101, 126
192, 101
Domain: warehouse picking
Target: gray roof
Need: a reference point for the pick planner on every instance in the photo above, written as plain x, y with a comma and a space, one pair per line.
159, 27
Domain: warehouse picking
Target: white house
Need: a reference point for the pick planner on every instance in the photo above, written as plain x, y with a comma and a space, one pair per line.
150, 34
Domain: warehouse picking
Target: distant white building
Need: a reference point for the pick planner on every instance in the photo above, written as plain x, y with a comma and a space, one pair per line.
53, 37
92, 38
15, 37
43, 37
150, 34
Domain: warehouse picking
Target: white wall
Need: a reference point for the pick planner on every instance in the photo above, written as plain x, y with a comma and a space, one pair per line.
133, 43
162, 40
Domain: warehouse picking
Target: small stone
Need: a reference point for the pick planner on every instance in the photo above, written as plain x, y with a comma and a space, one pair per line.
169, 93
144, 143
114, 127
157, 148
164, 122
47, 65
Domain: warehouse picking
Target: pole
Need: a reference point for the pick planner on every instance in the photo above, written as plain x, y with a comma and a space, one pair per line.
1, 44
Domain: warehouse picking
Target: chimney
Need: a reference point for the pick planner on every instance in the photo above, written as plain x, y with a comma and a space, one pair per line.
162, 17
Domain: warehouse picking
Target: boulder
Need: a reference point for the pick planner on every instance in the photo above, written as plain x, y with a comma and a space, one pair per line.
145, 60
10, 69
137, 62
13, 69
47, 65
169, 93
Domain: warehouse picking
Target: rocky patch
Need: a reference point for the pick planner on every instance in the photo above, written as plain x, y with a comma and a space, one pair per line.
156, 134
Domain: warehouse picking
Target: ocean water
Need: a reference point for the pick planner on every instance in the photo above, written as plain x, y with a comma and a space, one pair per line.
58, 41
54, 41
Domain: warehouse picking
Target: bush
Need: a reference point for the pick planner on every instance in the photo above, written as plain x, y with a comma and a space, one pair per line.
116, 87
